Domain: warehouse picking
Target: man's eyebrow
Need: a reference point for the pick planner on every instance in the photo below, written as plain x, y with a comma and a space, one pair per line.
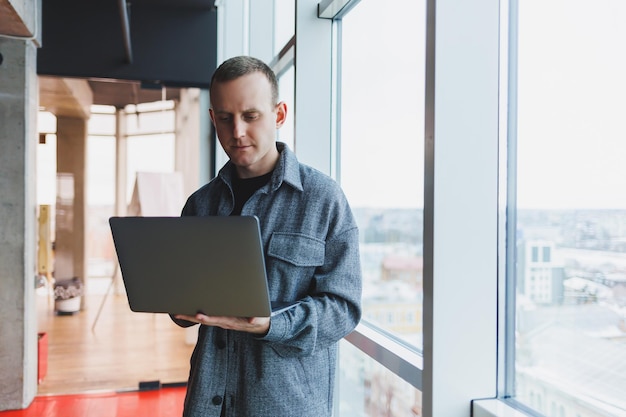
252, 110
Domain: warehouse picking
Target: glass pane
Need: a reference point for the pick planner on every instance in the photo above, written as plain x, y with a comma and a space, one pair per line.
154, 153
150, 148
367, 389
286, 84
102, 124
570, 346
101, 259
382, 154
101, 170
46, 158
284, 23
150, 121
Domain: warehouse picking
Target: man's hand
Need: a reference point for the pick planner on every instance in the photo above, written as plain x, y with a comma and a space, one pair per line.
256, 325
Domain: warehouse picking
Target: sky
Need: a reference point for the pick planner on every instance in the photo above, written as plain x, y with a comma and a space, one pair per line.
571, 136
571, 139
382, 116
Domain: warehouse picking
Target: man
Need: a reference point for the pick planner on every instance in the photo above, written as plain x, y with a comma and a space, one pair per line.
283, 366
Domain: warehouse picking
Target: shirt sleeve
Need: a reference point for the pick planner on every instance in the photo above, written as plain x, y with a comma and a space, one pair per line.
333, 308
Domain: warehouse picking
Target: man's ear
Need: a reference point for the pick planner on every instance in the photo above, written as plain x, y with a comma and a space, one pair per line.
281, 114
212, 116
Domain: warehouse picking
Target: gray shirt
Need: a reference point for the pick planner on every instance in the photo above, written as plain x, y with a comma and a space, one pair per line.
312, 256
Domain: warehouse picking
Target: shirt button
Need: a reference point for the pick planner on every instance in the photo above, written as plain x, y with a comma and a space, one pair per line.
217, 400
220, 344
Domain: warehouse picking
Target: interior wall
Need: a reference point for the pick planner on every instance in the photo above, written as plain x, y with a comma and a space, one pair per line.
70, 245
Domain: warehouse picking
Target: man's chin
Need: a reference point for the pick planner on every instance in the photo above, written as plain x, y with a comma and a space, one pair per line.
240, 156
242, 162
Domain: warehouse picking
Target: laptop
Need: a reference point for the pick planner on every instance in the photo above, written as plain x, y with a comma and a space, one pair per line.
185, 265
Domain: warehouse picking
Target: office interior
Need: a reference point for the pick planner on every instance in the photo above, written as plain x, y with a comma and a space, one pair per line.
477, 141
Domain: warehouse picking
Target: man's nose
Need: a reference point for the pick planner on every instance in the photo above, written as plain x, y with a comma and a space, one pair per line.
239, 129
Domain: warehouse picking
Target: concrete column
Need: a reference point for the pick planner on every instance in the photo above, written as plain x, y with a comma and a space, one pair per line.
70, 242
18, 144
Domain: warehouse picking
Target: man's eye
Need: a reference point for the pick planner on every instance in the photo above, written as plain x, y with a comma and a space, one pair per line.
252, 116
223, 118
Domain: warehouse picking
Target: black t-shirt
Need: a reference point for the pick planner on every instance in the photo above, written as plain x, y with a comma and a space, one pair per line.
243, 188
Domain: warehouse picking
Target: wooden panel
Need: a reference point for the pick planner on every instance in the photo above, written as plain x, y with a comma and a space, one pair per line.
44, 249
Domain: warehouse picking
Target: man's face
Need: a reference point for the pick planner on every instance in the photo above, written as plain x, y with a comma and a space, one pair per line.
246, 120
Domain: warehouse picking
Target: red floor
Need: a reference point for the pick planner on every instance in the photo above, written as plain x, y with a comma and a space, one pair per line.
164, 402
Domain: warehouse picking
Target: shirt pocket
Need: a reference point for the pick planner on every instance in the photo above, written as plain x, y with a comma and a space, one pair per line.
297, 249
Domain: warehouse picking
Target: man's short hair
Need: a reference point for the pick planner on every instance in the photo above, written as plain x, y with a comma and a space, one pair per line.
239, 66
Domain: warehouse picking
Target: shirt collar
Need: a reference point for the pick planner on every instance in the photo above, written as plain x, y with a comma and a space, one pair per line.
287, 170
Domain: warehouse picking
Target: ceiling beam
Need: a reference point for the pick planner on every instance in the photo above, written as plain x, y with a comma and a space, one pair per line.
65, 96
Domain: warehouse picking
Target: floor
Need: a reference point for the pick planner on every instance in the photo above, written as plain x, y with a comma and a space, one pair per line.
164, 402
115, 350
98, 358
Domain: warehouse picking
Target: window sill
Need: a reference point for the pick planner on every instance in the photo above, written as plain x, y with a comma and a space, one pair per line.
393, 354
494, 408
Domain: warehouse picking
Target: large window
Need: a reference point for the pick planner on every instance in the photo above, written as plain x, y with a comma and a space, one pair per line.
382, 153
570, 228
566, 224
150, 148
150, 129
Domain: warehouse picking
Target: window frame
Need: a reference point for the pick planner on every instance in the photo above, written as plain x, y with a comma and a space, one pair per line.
436, 372
462, 275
